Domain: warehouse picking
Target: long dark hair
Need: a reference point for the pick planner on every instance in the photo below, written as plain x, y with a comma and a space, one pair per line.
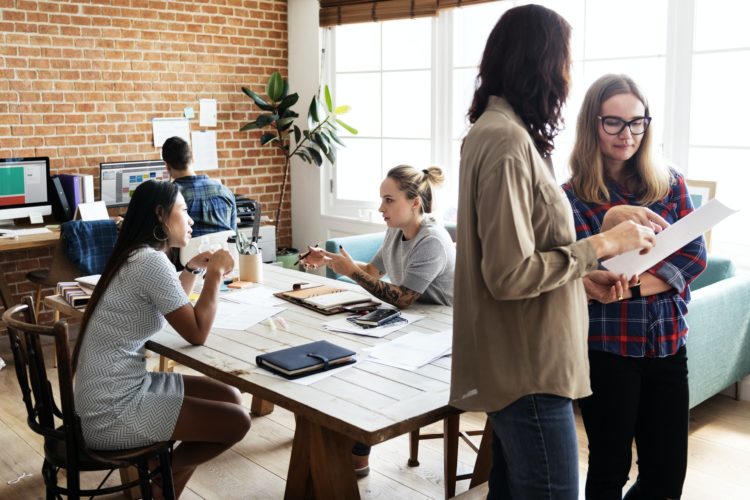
151, 201
526, 61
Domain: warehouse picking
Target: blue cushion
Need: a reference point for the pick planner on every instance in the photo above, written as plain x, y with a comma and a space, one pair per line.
361, 247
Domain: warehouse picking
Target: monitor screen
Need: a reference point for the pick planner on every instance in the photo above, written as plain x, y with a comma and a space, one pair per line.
23, 187
119, 179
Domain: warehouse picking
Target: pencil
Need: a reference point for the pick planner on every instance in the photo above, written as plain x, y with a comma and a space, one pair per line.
303, 255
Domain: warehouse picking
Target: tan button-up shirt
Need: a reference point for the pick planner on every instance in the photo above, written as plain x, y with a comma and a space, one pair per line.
520, 316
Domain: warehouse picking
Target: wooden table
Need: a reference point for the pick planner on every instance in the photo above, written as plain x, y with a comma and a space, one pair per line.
22, 243
368, 402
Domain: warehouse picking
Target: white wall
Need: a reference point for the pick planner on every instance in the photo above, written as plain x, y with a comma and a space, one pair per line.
309, 225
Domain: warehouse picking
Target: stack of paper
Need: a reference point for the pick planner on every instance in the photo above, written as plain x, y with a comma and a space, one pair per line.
345, 326
413, 350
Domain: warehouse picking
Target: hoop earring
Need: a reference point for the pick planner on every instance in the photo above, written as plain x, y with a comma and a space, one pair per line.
156, 237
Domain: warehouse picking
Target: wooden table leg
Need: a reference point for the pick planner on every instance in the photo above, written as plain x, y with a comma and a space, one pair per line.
450, 453
260, 407
484, 458
321, 464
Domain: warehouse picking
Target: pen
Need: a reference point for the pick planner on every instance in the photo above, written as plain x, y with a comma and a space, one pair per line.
303, 255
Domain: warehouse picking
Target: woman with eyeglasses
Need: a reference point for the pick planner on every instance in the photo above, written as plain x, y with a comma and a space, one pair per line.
636, 338
520, 316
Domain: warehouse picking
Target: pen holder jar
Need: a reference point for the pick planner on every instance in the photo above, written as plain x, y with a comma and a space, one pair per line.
251, 268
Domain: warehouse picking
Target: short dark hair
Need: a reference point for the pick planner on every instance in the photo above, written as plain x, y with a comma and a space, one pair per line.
526, 61
176, 153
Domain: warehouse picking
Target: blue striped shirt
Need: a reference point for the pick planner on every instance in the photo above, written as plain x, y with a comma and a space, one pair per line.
652, 326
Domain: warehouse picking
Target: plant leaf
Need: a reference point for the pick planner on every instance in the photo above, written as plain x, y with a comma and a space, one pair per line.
297, 134
313, 112
329, 101
258, 99
351, 129
265, 120
331, 155
275, 86
249, 126
316, 156
267, 137
285, 91
289, 101
335, 137
302, 153
284, 123
340, 110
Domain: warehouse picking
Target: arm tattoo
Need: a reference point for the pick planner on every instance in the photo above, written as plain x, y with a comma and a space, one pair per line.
399, 296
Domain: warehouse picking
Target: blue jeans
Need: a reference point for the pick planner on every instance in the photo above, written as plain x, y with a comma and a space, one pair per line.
534, 450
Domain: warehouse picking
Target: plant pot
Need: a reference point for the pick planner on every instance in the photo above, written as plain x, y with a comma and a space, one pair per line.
287, 257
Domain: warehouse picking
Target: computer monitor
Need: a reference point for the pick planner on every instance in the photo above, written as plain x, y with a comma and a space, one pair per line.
119, 179
24, 188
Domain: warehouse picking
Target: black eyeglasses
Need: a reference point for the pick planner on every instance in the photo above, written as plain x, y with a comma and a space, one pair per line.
614, 125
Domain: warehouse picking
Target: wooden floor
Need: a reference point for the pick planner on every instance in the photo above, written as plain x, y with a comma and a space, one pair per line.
718, 466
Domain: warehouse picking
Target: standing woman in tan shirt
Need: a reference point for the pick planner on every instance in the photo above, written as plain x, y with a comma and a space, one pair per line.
520, 314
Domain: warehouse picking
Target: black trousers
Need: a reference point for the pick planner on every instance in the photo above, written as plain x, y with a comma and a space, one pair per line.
645, 399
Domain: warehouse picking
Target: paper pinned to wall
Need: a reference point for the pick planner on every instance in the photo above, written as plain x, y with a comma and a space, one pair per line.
164, 128
671, 239
208, 113
205, 155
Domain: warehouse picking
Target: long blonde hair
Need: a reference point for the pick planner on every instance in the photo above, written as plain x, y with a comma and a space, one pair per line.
648, 179
415, 183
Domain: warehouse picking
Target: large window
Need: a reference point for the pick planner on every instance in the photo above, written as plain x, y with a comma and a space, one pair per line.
410, 84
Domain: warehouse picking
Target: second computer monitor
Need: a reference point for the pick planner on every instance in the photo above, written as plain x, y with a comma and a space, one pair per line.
119, 179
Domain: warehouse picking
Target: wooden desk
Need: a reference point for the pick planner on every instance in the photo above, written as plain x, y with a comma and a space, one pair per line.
368, 402
22, 243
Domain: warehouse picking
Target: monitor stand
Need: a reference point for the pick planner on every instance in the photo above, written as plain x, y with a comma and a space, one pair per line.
36, 218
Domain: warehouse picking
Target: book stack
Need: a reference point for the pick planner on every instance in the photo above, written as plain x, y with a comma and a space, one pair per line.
74, 294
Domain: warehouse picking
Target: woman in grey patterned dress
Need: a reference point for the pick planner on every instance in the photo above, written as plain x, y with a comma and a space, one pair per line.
120, 403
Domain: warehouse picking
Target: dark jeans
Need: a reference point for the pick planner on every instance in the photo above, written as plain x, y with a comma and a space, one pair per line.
360, 449
645, 399
534, 450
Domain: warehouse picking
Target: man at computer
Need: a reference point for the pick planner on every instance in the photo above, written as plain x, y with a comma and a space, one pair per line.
210, 204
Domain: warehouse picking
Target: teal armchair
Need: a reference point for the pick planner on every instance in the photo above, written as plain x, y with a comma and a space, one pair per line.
718, 345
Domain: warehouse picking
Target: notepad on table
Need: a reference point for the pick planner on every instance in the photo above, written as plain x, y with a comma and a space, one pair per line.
306, 359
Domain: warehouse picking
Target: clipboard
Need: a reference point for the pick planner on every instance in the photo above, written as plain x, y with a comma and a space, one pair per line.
301, 297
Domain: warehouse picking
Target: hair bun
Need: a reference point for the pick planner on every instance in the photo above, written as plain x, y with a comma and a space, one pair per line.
425, 171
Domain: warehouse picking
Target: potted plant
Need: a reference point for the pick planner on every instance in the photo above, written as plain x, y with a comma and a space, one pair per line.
276, 122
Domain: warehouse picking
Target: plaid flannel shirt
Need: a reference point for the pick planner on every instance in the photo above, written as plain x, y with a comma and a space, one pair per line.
652, 326
210, 205
89, 244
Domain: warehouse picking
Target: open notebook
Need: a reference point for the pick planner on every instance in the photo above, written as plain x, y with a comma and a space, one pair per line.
325, 299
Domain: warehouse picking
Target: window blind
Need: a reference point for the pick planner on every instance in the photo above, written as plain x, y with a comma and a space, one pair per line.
335, 12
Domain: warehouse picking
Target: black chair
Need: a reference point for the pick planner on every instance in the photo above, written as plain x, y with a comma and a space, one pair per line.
64, 446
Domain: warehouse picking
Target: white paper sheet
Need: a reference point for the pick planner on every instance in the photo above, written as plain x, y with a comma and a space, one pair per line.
164, 128
96, 210
345, 326
671, 239
257, 295
207, 113
205, 155
231, 316
413, 350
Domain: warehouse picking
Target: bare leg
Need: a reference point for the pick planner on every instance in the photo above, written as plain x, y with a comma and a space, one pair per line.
211, 421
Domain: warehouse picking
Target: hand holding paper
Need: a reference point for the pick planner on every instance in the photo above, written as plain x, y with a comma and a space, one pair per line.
671, 239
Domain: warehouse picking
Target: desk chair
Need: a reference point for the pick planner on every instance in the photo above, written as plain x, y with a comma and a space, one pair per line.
64, 446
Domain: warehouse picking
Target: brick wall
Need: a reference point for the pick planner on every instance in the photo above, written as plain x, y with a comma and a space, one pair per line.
81, 80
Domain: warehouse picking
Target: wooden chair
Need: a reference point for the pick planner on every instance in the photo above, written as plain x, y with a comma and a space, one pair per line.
64, 446
451, 435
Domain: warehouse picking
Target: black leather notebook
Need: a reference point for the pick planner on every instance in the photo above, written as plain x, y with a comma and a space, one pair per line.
306, 359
